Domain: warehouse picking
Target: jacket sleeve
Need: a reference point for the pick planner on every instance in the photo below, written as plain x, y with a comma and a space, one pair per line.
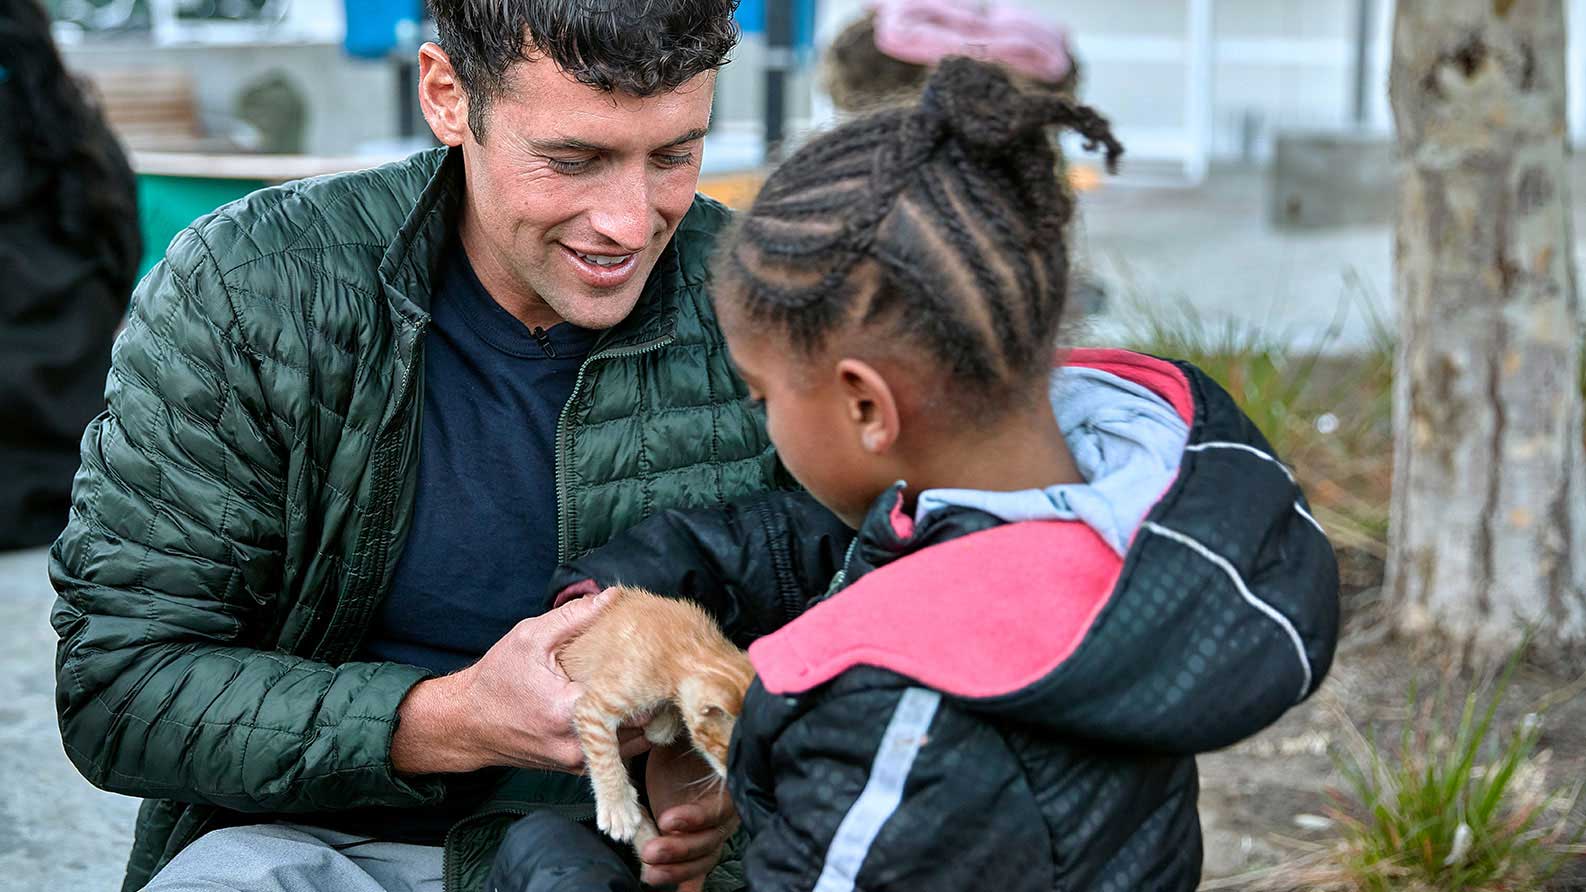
889, 789
754, 564
169, 579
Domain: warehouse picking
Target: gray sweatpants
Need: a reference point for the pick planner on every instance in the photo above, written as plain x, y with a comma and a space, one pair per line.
296, 858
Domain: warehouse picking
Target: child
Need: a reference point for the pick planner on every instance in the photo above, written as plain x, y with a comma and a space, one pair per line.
1063, 584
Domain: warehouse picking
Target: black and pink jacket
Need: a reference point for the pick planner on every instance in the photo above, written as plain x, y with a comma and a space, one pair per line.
982, 704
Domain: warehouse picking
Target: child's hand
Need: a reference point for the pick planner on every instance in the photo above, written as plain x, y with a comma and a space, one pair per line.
694, 814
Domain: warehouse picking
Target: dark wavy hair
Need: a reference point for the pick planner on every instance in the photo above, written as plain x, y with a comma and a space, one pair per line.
640, 47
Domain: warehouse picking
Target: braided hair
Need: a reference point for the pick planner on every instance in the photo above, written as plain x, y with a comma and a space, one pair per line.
938, 225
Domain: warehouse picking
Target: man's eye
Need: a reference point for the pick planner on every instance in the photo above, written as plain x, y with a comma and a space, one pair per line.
675, 160
569, 167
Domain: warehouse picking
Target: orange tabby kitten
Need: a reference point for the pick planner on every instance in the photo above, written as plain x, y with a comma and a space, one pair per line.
651, 656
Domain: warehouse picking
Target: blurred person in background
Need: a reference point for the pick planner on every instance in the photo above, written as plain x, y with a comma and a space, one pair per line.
885, 56
69, 249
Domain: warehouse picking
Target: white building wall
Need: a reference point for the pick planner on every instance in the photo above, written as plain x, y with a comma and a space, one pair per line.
1275, 64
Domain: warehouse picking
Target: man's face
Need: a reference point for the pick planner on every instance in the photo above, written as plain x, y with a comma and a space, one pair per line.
574, 192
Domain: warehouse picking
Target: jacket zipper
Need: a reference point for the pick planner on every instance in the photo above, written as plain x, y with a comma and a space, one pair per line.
564, 442
842, 572
364, 601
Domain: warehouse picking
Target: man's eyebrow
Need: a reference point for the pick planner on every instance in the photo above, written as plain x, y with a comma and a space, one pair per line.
690, 136
568, 144
572, 144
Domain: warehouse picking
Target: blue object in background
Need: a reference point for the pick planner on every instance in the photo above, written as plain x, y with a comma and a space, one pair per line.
373, 25
751, 18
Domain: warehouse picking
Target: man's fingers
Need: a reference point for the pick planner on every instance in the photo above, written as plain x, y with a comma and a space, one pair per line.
715, 815
565, 756
638, 720
682, 848
566, 622
572, 691
669, 874
634, 746
684, 818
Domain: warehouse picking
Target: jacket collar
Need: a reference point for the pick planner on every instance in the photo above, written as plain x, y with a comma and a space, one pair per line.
888, 532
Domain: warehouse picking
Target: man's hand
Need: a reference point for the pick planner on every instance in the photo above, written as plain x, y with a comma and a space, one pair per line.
514, 707
693, 813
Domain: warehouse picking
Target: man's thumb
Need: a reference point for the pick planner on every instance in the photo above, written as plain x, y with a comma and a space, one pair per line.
571, 619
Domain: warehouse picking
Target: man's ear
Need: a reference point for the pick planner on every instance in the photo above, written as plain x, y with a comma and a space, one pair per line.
442, 97
870, 405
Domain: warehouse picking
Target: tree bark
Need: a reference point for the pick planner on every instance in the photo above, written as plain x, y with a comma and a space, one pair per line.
1489, 507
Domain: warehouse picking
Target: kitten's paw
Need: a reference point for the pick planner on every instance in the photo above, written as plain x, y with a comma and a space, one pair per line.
664, 727
620, 821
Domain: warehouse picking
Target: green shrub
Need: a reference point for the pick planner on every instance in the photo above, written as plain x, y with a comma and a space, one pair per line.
1447, 811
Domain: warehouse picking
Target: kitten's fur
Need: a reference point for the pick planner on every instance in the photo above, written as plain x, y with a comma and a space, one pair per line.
649, 655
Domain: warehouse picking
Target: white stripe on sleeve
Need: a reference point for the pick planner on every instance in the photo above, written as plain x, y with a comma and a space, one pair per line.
1250, 598
883, 790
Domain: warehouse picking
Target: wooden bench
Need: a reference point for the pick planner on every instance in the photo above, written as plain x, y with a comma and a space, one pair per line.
153, 109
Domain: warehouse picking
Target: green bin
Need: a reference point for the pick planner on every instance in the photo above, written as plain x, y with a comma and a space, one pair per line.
167, 204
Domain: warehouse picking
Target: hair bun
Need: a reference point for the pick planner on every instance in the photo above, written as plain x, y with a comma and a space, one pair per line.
978, 106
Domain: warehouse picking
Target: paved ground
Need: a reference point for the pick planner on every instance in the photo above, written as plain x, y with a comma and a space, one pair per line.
1213, 249
57, 833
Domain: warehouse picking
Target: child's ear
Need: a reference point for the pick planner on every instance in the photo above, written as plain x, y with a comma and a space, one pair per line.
870, 405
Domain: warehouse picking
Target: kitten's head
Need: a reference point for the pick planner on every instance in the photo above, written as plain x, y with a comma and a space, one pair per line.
710, 698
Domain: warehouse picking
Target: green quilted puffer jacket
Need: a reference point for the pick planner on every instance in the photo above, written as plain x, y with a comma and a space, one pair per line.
242, 503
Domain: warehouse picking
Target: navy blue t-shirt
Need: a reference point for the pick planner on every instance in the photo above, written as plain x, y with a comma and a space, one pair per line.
482, 543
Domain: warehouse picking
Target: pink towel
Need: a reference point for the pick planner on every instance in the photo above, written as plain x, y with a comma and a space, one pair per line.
925, 31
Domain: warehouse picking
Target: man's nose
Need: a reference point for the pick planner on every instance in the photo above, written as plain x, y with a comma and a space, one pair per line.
623, 210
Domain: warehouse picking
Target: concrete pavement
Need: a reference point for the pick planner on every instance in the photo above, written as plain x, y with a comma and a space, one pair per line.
57, 833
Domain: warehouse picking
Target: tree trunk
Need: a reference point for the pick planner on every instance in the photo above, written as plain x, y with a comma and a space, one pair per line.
1489, 506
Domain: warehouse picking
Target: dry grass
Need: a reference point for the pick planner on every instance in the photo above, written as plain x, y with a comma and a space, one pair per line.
1457, 806
1329, 416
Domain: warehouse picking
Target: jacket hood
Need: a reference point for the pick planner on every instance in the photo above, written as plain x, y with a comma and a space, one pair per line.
1179, 600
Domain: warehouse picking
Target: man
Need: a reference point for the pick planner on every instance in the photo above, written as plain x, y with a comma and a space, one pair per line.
355, 422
